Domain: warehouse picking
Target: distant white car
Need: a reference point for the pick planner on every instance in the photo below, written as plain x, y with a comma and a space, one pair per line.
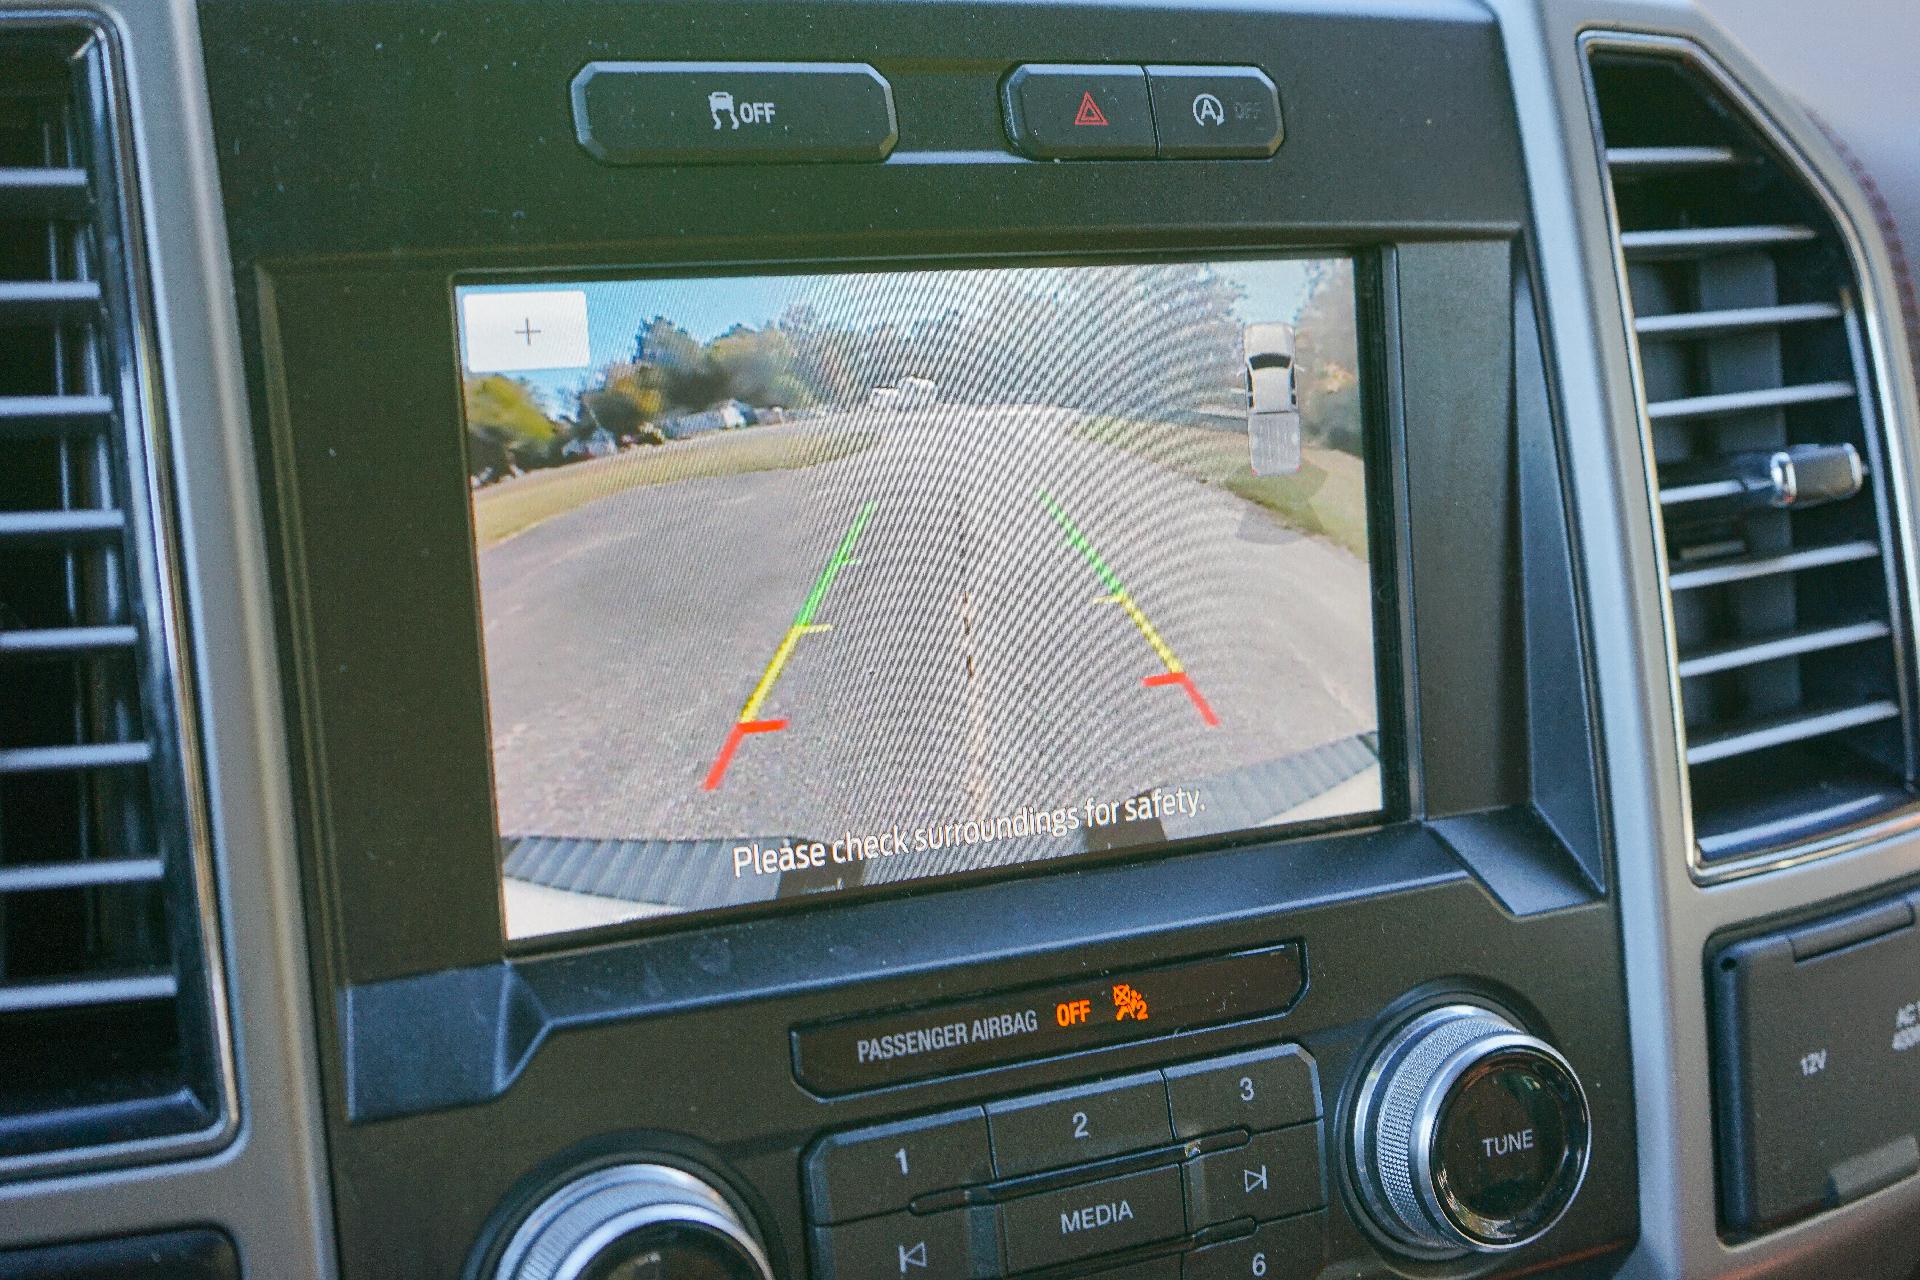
1273, 406
884, 397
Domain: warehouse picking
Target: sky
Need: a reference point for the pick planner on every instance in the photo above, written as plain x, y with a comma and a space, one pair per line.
706, 307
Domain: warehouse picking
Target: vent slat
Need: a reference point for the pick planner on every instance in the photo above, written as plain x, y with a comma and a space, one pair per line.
43, 526
1776, 731
48, 301
29, 997
1721, 404
91, 755
110, 1006
1713, 324
43, 876
1774, 479
57, 641
1759, 834
1747, 653
1634, 160
1680, 495
1694, 242
53, 415
1720, 573
43, 193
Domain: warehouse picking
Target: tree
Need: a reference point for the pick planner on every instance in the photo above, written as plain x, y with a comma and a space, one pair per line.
506, 425
1329, 361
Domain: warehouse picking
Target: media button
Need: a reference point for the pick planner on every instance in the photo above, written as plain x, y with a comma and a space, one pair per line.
1273, 1176
1262, 1089
733, 112
1072, 1126
1214, 112
1061, 111
869, 1171
1099, 1217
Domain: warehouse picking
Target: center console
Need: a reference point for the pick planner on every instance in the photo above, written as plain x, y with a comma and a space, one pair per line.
929, 644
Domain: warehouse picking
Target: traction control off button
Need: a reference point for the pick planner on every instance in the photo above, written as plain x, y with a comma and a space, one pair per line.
733, 112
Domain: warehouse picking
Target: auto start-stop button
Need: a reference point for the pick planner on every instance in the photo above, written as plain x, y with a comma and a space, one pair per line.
1507, 1143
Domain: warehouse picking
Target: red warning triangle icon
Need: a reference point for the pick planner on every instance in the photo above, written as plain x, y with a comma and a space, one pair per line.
1089, 112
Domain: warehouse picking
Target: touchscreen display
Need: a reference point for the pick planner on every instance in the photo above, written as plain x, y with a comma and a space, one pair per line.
793, 584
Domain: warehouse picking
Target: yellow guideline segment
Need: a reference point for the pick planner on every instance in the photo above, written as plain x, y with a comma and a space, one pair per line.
780, 655
749, 721
1160, 647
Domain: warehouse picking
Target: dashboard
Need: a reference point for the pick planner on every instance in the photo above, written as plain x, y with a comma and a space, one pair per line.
897, 641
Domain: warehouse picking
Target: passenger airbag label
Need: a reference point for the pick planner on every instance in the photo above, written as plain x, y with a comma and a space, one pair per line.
967, 1035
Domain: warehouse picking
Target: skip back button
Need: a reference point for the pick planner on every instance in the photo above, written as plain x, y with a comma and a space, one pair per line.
958, 1244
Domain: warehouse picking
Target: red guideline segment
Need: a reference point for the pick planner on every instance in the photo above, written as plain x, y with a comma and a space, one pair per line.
741, 729
1185, 681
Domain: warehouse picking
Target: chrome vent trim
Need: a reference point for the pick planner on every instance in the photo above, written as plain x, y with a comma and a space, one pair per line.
1828, 823
115, 1039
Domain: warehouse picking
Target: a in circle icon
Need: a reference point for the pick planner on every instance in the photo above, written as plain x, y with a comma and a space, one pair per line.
1208, 109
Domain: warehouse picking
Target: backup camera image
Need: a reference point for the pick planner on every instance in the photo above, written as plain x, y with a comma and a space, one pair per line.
792, 584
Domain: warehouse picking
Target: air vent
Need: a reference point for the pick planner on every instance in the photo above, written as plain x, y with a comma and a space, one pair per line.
1789, 619
111, 1046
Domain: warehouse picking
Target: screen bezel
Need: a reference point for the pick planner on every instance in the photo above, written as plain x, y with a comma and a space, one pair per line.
1384, 505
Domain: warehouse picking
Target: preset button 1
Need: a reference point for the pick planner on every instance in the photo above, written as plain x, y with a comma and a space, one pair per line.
869, 1171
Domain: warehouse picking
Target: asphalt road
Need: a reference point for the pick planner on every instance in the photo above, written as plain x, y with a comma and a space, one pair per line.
970, 664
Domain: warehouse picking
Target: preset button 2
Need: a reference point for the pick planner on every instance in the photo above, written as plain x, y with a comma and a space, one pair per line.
1072, 1126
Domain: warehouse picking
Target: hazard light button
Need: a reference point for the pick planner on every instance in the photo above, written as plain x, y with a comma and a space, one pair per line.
1064, 111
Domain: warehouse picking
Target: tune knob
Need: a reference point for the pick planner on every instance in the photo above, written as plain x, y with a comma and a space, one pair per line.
634, 1222
1469, 1135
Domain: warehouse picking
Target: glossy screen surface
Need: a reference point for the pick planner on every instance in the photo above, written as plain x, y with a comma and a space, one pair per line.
795, 584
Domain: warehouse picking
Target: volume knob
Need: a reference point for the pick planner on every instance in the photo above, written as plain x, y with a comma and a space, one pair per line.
1469, 1135
634, 1222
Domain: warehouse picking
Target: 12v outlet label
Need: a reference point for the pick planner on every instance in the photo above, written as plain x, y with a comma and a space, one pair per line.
967, 1035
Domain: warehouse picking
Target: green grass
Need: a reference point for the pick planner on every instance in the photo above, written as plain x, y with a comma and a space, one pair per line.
1327, 497
513, 506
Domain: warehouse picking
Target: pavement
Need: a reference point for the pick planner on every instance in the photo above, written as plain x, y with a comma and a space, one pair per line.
966, 659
